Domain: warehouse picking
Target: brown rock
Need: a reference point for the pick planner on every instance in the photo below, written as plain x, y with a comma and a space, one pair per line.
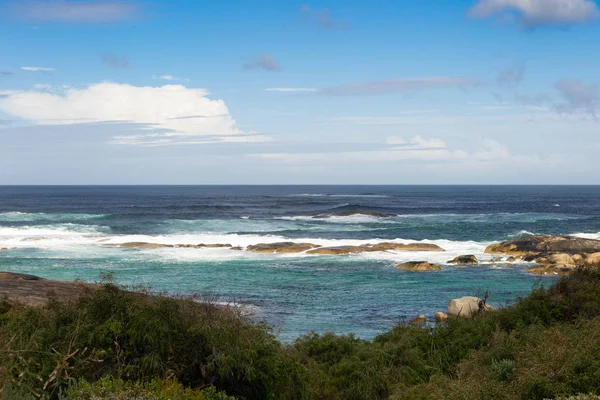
578, 259
551, 269
339, 250
4, 249
496, 259
464, 260
238, 248
560, 258
281, 247
440, 316
539, 245
593, 259
511, 259
418, 266
144, 245
386, 246
213, 245
35, 291
419, 320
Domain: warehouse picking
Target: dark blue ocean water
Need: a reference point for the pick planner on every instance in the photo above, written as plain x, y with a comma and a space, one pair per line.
62, 232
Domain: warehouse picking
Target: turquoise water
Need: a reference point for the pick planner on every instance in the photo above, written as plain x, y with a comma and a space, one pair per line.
62, 233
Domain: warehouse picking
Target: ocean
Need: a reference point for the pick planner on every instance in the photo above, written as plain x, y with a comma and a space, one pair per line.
71, 232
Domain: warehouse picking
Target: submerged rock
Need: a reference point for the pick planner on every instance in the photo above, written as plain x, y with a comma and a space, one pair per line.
281, 247
418, 266
350, 213
464, 260
467, 306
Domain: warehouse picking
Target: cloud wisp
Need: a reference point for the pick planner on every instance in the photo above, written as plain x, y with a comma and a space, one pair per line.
578, 98
165, 115
37, 69
536, 13
264, 61
399, 85
116, 62
511, 76
292, 90
323, 18
75, 11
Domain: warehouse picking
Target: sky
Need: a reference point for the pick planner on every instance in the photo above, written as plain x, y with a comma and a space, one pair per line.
286, 92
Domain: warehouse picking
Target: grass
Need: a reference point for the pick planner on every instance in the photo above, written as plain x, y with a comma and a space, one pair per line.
111, 343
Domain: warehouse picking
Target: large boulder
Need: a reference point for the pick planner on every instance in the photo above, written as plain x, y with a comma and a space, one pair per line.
592, 259
281, 247
440, 316
464, 260
467, 306
536, 246
418, 266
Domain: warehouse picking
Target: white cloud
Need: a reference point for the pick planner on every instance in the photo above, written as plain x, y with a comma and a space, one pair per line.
42, 86
37, 69
167, 77
540, 12
291, 90
174, 113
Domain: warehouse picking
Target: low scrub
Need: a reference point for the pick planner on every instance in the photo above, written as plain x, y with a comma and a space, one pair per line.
113, 344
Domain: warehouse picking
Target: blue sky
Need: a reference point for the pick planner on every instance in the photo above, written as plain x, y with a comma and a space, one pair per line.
282, 92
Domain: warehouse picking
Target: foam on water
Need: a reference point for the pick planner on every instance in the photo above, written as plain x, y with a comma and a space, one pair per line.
18, 216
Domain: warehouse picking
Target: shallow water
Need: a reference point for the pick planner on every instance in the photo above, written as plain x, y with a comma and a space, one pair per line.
62, 233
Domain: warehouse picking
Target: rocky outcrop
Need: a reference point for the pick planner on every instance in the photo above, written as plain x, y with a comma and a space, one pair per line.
551, 269
384, 246
387, 246
143, 245
350, 213
537, 246
592, 259
281, 247
464, 260
33, 290
418, 266
467, 306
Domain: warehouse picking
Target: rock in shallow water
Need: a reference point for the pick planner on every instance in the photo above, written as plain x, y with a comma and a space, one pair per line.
464, 260
418, 266
280, 247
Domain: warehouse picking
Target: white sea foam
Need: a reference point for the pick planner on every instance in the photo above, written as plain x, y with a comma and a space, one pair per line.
18, 216
342, 219
339, 195
587, 235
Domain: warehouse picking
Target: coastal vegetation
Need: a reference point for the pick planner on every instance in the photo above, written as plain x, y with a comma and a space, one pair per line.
106, 342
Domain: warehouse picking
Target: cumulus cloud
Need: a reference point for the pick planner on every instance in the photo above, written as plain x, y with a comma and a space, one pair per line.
322, 18
399, 85
116, 62
169, 114
75, 11
578, 97
511, 76
37, 69
264, 61
533, 13
291, 90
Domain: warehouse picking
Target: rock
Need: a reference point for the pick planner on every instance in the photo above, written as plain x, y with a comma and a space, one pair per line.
440, 316
35, 291
496, 259
339, 250
467, 306
143, 245
551, 269
511, 259
4, 249
386, 246
281, 247
238, 248
213, 245
419, 320
561, 258
350, 213
464, 260
592, 259
418, 266
578, 259
540, 245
